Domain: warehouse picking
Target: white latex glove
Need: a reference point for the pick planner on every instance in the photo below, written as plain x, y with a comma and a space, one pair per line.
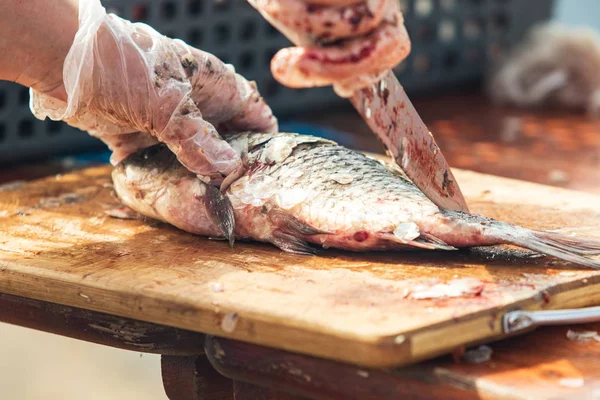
131, 87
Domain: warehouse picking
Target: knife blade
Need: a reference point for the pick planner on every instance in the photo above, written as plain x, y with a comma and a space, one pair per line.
388, 111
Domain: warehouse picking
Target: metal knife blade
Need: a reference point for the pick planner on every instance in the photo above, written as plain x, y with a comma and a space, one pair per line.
387, 110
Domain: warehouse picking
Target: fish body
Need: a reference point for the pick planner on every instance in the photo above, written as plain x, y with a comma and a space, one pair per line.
298, 191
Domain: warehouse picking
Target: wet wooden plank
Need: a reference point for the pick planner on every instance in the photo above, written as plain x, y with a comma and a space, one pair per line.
540, 365
543, 364
323, 379
194, 378
247, 391
99, 328
56, 244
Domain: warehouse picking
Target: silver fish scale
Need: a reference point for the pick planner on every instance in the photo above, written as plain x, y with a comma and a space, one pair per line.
370, 198
319, 162
255, 139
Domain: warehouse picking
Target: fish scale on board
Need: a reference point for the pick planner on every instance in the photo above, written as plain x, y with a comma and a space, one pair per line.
287, 197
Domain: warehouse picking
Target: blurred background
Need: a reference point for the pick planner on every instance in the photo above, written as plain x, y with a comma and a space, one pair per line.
578, 12
455, 42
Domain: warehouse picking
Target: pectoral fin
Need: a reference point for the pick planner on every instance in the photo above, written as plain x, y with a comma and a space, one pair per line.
220, 212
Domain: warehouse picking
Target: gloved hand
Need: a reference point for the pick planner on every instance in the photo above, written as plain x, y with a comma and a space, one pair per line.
131, 87
349, 44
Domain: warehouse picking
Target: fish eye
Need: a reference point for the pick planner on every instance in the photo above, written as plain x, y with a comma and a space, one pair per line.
151, 151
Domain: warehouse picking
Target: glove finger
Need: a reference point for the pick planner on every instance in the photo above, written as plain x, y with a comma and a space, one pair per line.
197, 144
139, 79
225, 97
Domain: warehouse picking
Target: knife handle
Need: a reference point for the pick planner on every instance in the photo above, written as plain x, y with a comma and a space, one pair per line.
517, 321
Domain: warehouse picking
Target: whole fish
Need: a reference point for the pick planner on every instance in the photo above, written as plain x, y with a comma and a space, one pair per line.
299, 191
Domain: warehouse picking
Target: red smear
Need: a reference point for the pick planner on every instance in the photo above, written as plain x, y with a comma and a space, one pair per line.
352, 58
458, 353
361, 236
546, 296
386, 95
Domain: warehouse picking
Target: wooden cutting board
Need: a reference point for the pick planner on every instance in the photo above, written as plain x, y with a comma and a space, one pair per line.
58, 245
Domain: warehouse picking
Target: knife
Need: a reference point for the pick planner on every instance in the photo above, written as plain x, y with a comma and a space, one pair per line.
520, 320
387, 110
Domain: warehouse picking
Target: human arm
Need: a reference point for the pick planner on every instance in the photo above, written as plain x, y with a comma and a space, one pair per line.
131, 86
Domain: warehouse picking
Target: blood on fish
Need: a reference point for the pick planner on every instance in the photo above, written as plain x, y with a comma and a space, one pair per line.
361, 236
311, 8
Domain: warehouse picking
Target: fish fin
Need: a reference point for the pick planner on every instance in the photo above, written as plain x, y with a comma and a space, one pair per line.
122, 212
395, 170
424, 241
220, 212
570, 243
436, 243
291, 244
567, 248
560, 246
292, 225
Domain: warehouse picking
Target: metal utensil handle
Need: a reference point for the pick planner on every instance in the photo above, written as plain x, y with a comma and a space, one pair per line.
516, 321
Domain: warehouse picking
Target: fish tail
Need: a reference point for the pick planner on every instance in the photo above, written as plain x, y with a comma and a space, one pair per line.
489, 232
564, 247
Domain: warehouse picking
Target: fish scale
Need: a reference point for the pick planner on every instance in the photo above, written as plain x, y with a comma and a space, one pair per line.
365, 172
292, 202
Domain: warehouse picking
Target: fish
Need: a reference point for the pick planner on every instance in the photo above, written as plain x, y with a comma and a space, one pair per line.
300, 192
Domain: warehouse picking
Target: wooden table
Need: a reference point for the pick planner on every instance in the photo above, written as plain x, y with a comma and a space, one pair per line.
543, 364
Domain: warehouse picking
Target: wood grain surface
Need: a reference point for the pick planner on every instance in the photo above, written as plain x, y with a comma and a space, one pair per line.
540, 365
100, 328
320, 379
544, 365
193, 378
56, 244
